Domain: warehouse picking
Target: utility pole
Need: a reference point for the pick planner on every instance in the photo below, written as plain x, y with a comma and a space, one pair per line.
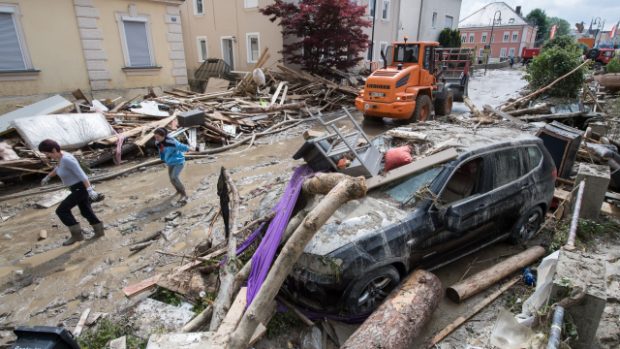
491, 38
372, 35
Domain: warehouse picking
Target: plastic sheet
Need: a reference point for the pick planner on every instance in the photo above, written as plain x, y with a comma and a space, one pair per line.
71, 131
546, 271
509, 334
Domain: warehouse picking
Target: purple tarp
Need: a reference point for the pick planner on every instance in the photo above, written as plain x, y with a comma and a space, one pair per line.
263, 257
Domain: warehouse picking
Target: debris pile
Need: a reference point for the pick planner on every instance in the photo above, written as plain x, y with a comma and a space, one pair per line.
213, 121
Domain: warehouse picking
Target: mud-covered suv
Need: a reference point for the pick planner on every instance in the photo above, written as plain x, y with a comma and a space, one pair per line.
499, 187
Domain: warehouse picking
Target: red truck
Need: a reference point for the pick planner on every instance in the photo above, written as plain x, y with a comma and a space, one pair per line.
527, 54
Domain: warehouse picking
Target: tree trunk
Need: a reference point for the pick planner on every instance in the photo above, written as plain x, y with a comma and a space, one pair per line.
322, 183
409, 135
397, 322
472, 107
482, 280
228, 270
348, 189
198, 320
543, 117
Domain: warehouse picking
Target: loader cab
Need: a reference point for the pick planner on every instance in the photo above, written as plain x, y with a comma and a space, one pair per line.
402, 55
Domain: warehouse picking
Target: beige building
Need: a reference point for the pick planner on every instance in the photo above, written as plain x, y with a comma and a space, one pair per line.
49, 47
233, 30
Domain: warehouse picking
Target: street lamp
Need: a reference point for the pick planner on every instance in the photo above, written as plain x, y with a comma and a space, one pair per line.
498, 20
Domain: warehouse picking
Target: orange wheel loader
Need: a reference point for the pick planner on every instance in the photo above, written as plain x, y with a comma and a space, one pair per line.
417, 78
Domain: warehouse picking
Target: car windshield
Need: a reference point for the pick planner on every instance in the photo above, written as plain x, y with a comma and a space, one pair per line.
406, 53
405, 191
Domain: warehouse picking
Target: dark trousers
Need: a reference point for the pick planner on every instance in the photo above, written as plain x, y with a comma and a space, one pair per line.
78, 197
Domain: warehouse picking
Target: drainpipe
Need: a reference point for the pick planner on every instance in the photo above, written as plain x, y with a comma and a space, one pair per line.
556, 328
420, 20
372, 35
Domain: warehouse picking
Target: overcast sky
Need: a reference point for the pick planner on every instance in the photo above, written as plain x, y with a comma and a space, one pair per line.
573, 11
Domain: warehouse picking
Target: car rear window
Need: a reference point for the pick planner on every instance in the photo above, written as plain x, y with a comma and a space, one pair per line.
534, 156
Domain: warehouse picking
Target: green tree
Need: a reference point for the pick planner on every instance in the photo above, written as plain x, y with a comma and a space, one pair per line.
563, 26
450, 38
564, 42
538, 18
552, 63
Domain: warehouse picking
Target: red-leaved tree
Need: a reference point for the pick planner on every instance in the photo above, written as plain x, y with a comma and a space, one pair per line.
320, 34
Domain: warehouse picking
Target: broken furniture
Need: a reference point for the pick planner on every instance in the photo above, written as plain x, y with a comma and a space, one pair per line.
367, 158
54, 104
562, 142
194, 117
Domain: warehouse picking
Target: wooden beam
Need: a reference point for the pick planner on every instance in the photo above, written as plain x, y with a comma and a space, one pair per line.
416, 166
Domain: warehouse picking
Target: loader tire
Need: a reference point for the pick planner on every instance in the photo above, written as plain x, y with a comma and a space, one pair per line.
443, 103
423, 109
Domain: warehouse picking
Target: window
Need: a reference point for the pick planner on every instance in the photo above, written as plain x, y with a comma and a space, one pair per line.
250, 3
383, 48
406, 53
405, 190
465, 181
534, 157
199, 7
472, 37
203, 53
506, 37
434, 22
515, 36
463, 38
371, 8
449, 22
511, 52
136, 42
253, 46
502, 52
506, 167
13, 54
484, 37
385, 14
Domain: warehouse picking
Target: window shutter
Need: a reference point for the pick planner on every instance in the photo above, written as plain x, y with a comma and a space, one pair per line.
137, 44
11, 57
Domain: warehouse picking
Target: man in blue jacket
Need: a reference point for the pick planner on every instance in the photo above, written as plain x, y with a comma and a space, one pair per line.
171, 152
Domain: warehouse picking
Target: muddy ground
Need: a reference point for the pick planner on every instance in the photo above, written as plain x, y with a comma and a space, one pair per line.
44, 283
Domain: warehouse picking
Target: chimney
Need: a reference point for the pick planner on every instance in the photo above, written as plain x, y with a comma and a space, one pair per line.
518, 10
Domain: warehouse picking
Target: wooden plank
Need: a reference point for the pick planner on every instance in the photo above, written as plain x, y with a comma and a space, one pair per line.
217, 85
274, 98
138, 130
610, 210
216, 115
234, 314
418, 165
80, 325
162, 123
146, 284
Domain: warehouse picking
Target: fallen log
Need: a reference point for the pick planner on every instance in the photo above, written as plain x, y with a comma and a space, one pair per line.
229, 270
543, 108
472, 107
397, 322
346, 190
199, 320
543, 89
558, 116
488, 109
483, 279
461, 319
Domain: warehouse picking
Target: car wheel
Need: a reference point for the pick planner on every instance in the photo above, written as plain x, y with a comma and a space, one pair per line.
368, 292
527, 225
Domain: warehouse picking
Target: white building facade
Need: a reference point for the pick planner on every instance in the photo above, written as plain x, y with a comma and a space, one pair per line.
423, 20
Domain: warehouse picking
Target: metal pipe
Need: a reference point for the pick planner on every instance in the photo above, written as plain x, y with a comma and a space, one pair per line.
556, 328
372, 35
570, 244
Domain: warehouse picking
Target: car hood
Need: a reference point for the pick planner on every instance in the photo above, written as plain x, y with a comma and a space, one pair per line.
353, 221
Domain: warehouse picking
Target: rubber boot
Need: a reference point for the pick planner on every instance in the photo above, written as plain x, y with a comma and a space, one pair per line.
98, 228
76, 235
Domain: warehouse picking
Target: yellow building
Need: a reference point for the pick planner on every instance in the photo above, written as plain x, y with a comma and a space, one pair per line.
233, 30
55, 46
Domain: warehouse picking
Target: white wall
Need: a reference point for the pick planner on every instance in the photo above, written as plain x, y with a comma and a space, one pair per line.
411, 19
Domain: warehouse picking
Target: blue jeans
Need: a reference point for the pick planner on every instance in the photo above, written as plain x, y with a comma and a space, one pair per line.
173, 172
